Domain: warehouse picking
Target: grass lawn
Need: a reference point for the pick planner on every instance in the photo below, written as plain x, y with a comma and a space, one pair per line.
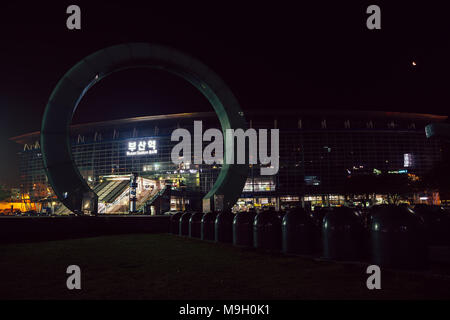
163, 266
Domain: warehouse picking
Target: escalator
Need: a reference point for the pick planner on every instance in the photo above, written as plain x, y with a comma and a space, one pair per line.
106, 191
144, 198
113, 197
152, 198
114, 192
62, 210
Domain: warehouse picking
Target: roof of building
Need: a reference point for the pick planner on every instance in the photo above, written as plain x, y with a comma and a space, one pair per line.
300, 112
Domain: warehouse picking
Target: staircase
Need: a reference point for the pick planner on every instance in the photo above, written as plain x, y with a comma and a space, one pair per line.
143, 200
155, 196
106, 191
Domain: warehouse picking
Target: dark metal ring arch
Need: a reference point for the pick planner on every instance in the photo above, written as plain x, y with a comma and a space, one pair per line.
63, 175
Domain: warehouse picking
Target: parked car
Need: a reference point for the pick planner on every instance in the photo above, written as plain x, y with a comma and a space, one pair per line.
7, 212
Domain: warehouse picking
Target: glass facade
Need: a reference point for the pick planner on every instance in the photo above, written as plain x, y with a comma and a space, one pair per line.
318, 150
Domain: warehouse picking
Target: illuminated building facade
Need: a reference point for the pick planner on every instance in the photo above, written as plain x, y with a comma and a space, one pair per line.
319, 149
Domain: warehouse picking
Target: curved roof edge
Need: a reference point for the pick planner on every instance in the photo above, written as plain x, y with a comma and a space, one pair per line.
299, 112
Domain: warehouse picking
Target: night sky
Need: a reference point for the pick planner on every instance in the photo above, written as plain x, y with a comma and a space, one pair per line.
272, 55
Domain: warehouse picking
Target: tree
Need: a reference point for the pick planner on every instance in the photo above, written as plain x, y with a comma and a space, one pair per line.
360, 184
438, 178
5, 193
395, 186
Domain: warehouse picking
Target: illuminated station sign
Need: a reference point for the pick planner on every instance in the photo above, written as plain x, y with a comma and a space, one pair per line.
142, 147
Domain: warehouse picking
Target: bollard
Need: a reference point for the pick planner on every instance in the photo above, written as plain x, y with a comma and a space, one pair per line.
397, 238
243, 229
300, 235
224, 227
195, 225
267, 231
342, 235
175, 222
184, 224
436, 223
207, 226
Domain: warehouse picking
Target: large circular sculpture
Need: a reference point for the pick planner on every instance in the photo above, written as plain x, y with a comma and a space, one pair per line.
63, 174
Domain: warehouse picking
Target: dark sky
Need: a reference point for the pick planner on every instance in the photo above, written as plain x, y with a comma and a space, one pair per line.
273, 55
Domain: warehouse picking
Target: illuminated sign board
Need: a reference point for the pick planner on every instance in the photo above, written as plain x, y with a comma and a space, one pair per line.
398, 171
142, 147
407, 160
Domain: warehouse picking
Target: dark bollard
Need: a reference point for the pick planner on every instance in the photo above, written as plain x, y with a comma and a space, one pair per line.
267, 231
280, 214
243, 229
436, 222
195, 223
175, 222
397, 238
224, 227
207, 230
300, 235
342, 235
184, 224
317, 218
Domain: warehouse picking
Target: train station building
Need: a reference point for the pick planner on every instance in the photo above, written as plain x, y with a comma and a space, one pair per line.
319, 150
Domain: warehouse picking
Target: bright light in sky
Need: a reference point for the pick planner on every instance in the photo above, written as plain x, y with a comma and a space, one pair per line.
414, 63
